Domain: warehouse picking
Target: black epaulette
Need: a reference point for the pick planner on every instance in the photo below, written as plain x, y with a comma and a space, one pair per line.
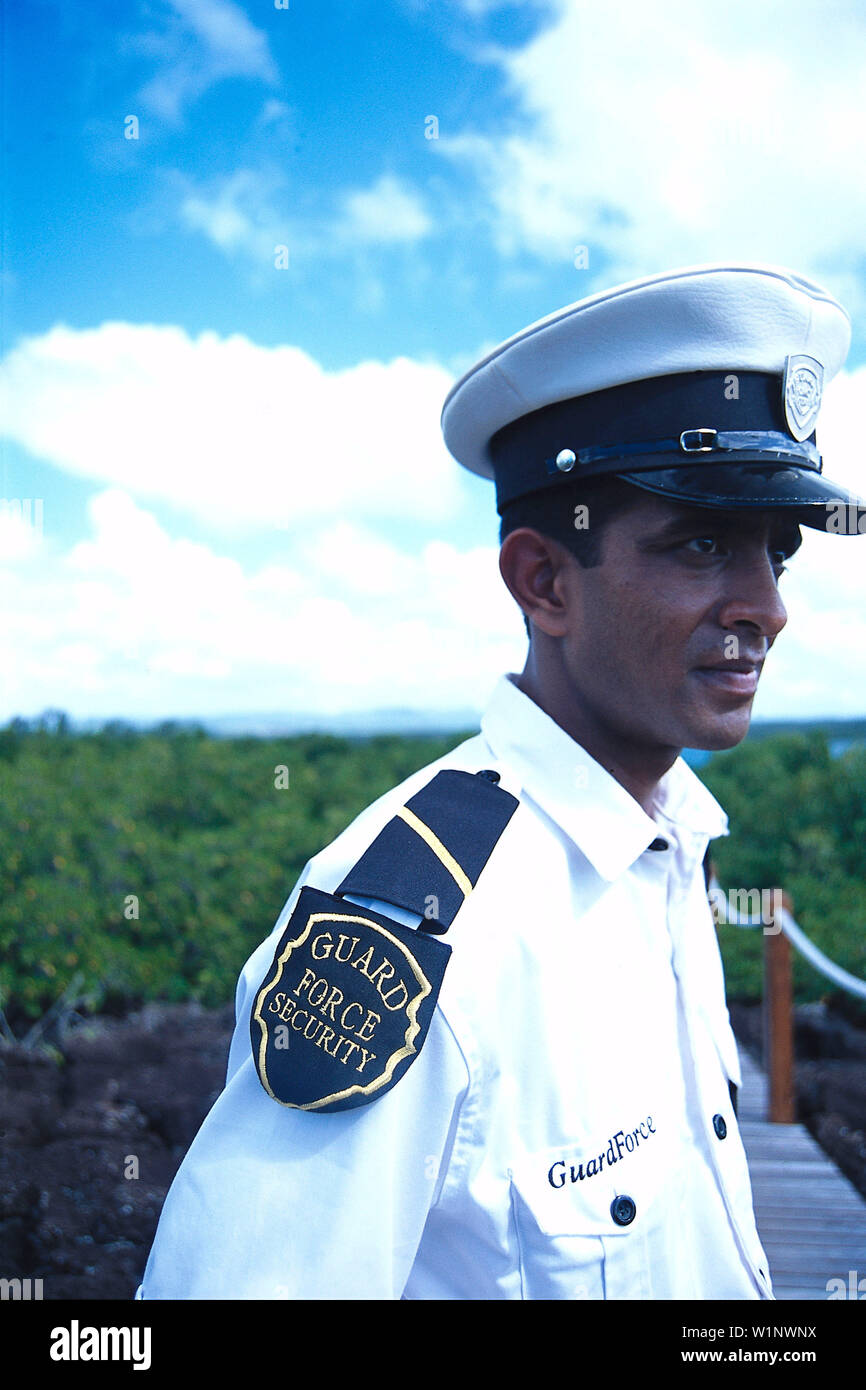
345, 1007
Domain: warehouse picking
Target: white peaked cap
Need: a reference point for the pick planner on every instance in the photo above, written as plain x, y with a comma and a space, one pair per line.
637, 381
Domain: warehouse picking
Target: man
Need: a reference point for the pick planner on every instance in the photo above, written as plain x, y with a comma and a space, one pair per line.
485, 1052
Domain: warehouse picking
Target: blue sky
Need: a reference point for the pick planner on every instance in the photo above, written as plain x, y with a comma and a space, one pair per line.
226, 341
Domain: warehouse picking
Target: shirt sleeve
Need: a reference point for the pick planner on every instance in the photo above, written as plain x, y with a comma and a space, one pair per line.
277, 1203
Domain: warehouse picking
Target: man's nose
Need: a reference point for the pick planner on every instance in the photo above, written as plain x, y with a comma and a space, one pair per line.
752, 597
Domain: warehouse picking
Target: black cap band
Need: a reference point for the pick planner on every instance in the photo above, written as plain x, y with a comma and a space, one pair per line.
659, 422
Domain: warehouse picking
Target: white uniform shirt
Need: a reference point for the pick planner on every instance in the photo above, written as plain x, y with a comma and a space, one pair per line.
577, 1065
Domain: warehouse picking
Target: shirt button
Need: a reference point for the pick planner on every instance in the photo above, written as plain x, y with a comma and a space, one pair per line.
623, 1210
719, 1126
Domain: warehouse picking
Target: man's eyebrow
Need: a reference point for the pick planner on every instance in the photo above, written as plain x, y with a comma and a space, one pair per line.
783, 531
695, 520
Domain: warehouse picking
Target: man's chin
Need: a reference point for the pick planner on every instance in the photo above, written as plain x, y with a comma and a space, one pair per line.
724, 731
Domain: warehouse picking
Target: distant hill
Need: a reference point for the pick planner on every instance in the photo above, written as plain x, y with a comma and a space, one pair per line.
844, 730
268, 724
840, 733
363, 724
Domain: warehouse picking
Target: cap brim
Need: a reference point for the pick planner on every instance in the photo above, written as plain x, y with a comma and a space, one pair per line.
813, 499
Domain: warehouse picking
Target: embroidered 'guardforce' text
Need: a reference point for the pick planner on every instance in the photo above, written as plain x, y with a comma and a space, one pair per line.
622, 1143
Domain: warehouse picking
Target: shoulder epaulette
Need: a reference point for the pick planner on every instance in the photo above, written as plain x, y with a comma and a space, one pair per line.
345, 1007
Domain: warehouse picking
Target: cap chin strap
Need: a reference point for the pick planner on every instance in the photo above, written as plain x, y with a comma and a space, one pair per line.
772, 443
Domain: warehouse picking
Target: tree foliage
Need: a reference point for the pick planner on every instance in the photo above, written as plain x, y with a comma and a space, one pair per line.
797, 821
148, 865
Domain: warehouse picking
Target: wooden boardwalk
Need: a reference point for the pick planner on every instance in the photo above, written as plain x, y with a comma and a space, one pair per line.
811, 1220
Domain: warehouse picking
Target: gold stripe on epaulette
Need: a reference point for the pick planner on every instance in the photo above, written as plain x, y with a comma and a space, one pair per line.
442, 854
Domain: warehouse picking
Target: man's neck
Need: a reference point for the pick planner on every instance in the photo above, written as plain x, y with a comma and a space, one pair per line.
638, 769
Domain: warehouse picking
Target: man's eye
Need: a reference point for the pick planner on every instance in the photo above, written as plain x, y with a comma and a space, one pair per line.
703, 545
711, 546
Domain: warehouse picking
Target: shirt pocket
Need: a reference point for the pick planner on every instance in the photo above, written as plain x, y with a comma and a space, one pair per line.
599, 1236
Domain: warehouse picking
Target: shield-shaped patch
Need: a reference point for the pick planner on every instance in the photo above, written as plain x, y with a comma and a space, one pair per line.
345, 1008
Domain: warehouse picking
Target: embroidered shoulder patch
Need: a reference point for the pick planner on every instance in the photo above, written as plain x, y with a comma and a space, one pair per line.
346, 1005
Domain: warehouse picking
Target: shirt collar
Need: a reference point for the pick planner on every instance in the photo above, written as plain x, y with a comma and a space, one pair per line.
595, 811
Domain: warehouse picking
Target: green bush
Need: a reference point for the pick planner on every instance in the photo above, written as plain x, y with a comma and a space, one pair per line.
797, 821
147, 865
138, 866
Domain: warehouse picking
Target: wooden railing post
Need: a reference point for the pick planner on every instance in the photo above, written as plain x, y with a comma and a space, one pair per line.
779, 1020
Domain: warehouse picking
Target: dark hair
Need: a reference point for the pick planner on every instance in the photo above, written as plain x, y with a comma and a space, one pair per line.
554, 513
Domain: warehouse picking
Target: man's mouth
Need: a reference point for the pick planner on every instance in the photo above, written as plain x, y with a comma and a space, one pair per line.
737, 677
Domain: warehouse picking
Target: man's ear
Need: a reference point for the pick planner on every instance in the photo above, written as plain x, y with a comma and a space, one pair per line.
533, 567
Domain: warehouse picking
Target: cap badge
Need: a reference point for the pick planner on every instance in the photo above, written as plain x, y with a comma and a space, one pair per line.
801, 389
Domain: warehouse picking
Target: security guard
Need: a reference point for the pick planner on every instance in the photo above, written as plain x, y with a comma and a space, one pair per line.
485, 1052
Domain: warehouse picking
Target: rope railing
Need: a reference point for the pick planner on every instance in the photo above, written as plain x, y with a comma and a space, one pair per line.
781, 931
796, 935
817, 958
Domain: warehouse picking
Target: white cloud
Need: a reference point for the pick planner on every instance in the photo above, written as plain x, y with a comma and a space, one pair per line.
817, 667
237, 214
135, 622
387, 212
250, 211
237, 435
677, 136
21, 527
275, 112
202, 43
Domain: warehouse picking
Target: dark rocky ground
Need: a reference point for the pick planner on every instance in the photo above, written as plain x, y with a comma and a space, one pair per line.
138, 1088
121, 1090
